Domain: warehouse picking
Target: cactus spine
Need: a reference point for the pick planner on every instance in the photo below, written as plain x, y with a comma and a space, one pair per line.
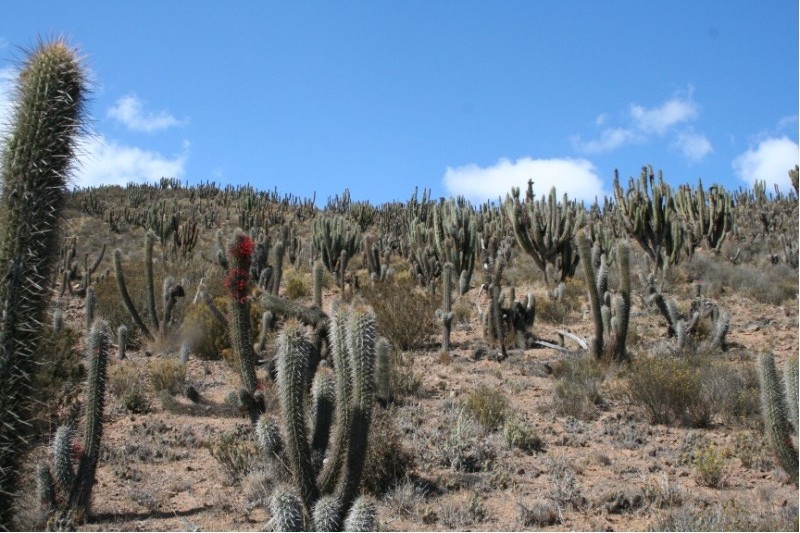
37, 159
777, 405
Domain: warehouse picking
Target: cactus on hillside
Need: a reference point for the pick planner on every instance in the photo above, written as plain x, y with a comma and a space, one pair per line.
326, 491
445, 314
38, 151
456, 239
705, 217
545, 230
779, 411
66, 490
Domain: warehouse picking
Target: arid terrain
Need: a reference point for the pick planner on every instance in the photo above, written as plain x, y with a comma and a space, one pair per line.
548, 438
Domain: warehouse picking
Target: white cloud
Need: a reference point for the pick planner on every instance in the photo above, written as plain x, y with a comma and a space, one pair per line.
659, 119
641, 124
610, 139
106, 162
770, 161
693, 146
129, 112
577, 177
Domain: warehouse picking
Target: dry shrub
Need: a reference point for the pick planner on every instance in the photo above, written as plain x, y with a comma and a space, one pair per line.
208, 335
488, 405
167, 375
406, 315
519, 433
388, 460
58, 378
577, 389
127, 385
235, 453
295, 285
670, 390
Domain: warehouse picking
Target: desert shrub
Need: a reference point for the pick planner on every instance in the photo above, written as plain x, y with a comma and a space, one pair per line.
733, 391
295, 285
236, 454
388, 460
462, 312
208, 335
167, 375
127, 385
554, 309
404, 381
709, 467
769, 284
519, 433
577, 389
751, 449
406, 315
58, 378
405, 498
565, 489
541, 513
466, 448
728, 516
670, 390
488, 405
109, 304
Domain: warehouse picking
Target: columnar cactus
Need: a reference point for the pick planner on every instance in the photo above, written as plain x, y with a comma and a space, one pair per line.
327, 491
37, 158
610, 323
545, 230
318, 284
237, 283
779, 411
445, 314
66, 490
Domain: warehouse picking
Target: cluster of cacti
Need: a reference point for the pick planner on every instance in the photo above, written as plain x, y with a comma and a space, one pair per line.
779, 410
324, 493
682, 327
335, 241
647, 211
69, 268
445, 313
39, 147
171, 291
707, 217
610, 316
377, 263
456, 238
65, 489
545, 230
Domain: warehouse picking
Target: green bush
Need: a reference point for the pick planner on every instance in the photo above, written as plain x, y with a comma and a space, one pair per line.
518, 433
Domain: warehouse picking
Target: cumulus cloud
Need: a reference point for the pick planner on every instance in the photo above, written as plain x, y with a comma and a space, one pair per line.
641, 124
577, 177
610, 139
107, 162
659, 119
770, 161
129, 111
693, 146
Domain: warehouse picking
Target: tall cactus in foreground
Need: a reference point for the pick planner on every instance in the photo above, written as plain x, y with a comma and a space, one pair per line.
66, 490
779, 410
327, 490
38, 152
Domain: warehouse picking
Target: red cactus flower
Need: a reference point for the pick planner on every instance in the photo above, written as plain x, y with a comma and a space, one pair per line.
242, 249
76, 451
237, 283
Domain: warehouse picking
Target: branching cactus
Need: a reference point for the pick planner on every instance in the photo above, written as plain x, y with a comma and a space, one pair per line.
171, 291
47, 114
65, 490
779, 411
545, 230
456, 238
648, 213
326, 491
705, 217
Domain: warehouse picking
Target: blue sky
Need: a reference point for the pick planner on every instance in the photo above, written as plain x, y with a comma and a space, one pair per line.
460, 97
